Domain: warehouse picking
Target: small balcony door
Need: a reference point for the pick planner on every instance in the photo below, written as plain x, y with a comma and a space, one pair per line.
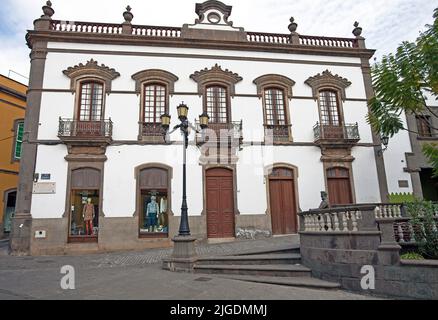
330, 114
90, 109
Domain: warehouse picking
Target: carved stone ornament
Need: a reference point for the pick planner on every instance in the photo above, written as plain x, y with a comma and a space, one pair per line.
216, 75
91, 70
158, 75
274, 80
218, 7
328, 80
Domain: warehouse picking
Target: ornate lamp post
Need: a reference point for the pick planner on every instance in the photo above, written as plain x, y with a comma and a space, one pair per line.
184, 254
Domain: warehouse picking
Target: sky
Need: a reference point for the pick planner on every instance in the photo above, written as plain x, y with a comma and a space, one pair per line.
385, 23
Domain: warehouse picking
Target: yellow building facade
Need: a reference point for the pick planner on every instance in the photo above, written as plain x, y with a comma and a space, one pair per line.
12, 110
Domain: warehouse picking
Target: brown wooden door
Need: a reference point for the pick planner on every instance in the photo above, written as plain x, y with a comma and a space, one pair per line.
339, 186
220, 203
282, 201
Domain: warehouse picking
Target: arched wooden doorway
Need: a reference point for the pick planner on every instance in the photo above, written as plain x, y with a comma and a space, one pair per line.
339, 186
283, 203
220, 203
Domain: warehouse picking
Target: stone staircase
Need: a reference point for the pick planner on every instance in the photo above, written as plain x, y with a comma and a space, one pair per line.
280, 266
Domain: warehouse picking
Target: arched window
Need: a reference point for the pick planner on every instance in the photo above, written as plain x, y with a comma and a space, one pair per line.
154, 86
329, 107
216, 104
275, 91
90, 101
155, 102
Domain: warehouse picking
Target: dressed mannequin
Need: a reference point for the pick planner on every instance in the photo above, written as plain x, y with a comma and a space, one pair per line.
88, 215
163, 211
152, 210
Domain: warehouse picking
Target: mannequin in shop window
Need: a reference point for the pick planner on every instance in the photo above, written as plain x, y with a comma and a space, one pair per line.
152, 211
163, 211
88, 215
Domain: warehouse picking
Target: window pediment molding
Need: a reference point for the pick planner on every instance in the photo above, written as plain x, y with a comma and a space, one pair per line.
155, 75
91, 70
327, 80
216, 75
274, 80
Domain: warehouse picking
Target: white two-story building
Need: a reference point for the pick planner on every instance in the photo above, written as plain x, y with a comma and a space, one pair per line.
98, 174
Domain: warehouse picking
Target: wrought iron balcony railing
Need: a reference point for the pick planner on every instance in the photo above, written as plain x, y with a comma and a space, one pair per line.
346, 132
151, 129
217, 132
279, 133
70, 128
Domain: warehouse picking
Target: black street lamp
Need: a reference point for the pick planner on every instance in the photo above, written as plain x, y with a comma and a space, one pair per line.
385, 141
183, 110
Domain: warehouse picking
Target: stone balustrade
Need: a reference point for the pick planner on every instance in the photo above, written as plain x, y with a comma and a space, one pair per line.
352, 219
175, 32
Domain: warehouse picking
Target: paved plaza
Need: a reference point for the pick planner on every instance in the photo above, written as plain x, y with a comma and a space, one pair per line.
138, 275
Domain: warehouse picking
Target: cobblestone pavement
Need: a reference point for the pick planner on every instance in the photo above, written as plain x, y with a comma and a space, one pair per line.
149, 256
138, 275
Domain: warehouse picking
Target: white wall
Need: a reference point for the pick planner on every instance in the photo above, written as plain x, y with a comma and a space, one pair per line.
50, 159
364, 173
395, 160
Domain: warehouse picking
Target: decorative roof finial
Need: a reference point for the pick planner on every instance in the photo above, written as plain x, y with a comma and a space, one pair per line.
293, 25
48, 10
128, 15
357, 31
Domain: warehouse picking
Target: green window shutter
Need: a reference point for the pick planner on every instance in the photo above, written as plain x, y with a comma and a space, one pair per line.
18, 140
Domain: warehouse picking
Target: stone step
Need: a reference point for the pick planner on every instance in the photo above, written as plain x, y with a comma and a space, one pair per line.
290, 248
275, 270
306, 282
255, 259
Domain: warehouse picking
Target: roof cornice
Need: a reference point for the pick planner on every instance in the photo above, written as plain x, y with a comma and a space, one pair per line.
124, 39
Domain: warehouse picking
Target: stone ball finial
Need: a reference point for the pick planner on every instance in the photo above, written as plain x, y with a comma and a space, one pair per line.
293, 25
357, 31
48, 10
127, 15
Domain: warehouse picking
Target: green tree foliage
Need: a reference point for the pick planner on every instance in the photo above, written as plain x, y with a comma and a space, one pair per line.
401, 81
424, 226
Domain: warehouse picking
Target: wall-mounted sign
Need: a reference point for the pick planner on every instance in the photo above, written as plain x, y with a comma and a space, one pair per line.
45, 176
44, 187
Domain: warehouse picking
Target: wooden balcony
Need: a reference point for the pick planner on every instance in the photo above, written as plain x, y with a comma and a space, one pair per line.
346, 134
85, 132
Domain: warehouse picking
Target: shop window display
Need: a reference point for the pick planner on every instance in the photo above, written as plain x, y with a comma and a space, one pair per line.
84, 220
154, 218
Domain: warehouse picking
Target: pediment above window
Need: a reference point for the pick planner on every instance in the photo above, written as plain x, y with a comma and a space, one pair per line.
328, 80
274, 80
218, 76
91, 70
157, 75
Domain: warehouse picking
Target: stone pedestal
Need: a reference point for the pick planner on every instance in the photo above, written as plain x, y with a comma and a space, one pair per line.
389, 250
19, 243
184, 255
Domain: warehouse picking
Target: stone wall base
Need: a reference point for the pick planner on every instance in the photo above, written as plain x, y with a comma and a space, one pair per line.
344, 264
121, 234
